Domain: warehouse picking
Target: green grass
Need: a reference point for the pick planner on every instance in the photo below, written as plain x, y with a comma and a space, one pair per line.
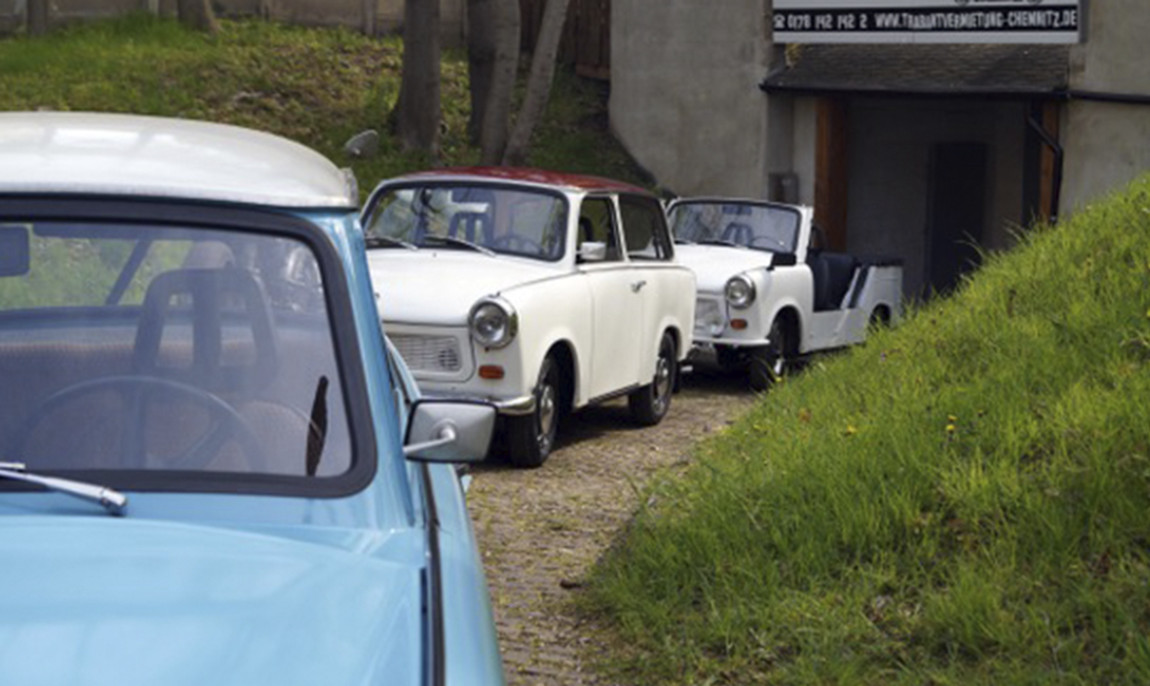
317, 86
963, 500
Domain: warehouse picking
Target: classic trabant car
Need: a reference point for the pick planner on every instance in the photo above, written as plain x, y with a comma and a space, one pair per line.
204, 478
539, 291
767, 293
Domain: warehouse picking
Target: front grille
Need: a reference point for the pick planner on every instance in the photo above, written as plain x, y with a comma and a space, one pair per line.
710, 320
429, 353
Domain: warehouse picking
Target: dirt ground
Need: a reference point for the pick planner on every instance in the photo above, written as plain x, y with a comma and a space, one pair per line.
541, 530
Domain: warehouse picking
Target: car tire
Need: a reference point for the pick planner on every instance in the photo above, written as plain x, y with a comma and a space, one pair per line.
769, 363
729, 358
531, 437
650, 403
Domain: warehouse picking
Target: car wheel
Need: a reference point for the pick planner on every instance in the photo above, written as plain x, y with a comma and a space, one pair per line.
650, 403
531, 437
769, 363
879, 318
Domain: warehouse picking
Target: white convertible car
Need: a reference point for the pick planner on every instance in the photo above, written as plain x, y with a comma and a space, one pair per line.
541, 292
766, 293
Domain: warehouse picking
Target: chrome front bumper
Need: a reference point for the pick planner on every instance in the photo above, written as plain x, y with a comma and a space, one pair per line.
511, 407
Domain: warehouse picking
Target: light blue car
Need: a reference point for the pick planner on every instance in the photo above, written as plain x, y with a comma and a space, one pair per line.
212, 471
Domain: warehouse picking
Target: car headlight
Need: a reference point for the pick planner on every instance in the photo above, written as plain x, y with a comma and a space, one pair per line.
493, 322
740, 291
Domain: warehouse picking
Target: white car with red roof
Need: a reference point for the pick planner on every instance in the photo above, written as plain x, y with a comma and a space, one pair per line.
542, 292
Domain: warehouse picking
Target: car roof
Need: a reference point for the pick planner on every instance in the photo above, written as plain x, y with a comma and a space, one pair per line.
119, 154
540, 177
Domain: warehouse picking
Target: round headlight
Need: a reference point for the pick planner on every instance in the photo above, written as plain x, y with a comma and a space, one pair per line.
493, 323
740, 291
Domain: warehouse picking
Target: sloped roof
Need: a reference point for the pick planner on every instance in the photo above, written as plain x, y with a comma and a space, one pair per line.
932, 70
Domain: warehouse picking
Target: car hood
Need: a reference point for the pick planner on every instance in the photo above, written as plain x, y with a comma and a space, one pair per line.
715, 264
110, 600
439, 287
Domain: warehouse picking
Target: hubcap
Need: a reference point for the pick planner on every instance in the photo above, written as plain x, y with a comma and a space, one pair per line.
546, 412
777, 349
662, 382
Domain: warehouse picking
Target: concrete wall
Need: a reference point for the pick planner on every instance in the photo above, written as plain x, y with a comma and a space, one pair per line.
1108, 144
684, 91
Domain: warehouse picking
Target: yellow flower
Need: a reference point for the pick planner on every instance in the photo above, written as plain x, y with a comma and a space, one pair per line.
951, 428
851, 430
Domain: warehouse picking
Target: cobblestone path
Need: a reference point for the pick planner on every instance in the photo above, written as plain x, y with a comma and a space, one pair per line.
541, 530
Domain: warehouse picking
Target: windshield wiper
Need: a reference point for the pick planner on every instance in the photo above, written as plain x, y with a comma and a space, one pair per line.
452, 240
110, 499
720, 241
387, 242
683, 241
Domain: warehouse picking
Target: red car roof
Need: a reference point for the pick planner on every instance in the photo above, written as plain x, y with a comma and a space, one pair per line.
581, 182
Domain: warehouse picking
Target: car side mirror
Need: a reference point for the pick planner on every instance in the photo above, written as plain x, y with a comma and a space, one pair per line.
14, 251
784, 259
449, 431
592, 251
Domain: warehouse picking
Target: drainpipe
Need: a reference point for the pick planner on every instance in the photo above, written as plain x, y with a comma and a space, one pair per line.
1050, 142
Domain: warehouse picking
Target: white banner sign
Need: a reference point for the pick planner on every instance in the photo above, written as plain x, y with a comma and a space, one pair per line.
927, 21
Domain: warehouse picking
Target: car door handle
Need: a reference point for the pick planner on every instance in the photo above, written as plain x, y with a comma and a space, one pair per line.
638, 286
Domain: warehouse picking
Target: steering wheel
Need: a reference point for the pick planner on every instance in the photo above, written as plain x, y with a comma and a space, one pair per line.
137, 391
516, 243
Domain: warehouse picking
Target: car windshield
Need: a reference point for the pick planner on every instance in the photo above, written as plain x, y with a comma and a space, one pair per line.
762, 227
487, 218
166, 347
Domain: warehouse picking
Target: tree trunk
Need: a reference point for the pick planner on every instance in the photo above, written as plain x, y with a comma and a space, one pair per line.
197, 14
37, 17
496, 112
481, 42
417, 110
538, 83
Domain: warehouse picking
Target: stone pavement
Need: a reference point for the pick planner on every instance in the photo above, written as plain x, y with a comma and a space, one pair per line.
541, 530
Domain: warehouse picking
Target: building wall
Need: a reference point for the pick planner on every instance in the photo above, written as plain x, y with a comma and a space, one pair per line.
684, 92
1108, 144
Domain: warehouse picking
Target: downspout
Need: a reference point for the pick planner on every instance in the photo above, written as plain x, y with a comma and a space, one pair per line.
1056, 149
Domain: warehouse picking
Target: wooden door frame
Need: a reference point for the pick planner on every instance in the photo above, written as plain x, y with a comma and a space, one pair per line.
831, 170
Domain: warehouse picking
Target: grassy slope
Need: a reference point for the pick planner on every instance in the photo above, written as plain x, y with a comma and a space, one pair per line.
318, 86
963, 500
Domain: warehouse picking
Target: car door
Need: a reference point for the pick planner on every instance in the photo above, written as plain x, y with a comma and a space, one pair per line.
647, 244
617, 300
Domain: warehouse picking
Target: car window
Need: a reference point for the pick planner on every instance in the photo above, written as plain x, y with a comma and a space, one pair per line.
597, 225
644, 228
524, 222
774, 228
169, 348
